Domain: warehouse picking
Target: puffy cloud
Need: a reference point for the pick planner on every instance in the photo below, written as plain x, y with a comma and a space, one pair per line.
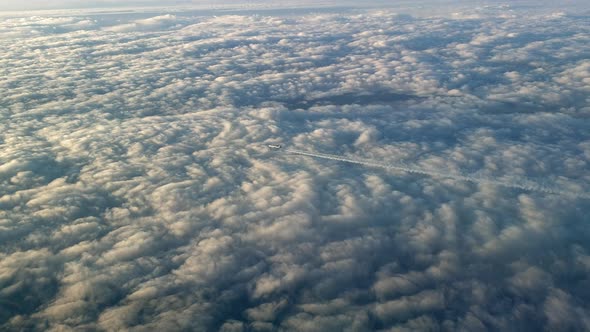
137, 193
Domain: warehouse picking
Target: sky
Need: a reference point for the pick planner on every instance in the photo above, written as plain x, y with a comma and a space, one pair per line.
428, 6
75, 4
432, 175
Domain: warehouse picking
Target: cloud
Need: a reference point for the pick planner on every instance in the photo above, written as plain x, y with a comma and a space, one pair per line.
153, 23
137, 191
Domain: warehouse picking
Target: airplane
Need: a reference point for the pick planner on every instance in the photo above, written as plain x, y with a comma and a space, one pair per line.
274, 146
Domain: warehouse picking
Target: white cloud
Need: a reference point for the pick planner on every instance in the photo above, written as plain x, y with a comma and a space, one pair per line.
136, 191
161, 22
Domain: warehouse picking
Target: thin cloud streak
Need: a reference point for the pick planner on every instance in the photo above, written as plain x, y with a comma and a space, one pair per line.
519, 183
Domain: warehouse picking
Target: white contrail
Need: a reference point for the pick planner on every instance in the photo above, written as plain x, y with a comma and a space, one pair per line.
523, 184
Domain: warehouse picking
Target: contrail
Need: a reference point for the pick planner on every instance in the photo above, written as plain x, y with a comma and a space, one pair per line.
523, 184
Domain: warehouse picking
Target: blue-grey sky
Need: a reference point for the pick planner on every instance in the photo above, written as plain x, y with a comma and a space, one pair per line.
425, 4
75, 4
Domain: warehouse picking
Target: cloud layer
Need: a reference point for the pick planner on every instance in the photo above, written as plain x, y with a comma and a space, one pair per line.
136, 191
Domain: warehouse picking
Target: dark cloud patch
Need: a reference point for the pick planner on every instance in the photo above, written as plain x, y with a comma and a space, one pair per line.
382, 98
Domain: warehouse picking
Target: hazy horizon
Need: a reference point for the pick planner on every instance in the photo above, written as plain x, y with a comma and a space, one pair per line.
438, 7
